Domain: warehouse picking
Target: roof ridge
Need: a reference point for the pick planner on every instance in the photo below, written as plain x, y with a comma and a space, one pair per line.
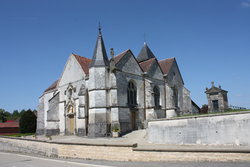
167, 59
145, 65
118, 57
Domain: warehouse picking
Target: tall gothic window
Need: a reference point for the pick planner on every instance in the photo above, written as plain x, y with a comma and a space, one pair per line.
156, 97
175, 98
131, 94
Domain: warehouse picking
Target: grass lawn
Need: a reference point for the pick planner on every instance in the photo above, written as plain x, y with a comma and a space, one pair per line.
20, 134
229, 111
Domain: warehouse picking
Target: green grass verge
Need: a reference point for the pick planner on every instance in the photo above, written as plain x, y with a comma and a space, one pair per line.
20, 134
229, 111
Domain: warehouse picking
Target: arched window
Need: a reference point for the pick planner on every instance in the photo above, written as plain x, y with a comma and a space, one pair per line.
131, 94
175, 97
156, 97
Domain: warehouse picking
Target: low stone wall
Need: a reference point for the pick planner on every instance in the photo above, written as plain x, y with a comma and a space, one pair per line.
215, 129
113, 152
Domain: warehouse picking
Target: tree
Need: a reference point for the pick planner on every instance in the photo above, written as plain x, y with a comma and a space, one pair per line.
27, 123
22, 112
204, 109
15, 113
3, 115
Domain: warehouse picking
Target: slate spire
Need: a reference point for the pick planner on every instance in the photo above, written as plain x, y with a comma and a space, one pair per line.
100, 57
145, 53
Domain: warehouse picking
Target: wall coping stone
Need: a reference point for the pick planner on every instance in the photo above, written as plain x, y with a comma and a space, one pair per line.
67, 143
200, 116
180, 149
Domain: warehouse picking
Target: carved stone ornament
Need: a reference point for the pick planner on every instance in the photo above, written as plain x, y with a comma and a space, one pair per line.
82, 90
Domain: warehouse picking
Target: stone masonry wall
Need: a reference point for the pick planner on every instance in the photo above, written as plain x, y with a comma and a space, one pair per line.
216, 129
111, 152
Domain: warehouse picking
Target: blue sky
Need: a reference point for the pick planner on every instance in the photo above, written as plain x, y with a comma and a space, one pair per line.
210, 40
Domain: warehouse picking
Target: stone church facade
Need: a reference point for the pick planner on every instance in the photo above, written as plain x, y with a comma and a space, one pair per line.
94, 95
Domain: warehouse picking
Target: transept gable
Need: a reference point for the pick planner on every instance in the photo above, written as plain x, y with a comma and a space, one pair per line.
155, 71
152, 67
84, 62
127, 62
72, 71
174, 72
166, 64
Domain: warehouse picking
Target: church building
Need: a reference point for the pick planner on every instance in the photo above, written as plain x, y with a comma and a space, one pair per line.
93, 96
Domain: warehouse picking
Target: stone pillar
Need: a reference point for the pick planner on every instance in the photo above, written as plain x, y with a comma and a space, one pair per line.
62, 117
98, 126
81, 116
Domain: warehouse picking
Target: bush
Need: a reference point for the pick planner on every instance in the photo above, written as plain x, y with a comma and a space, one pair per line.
27, 123
204, 109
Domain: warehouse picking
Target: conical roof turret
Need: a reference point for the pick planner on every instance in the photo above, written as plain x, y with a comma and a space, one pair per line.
145, 53
100, 57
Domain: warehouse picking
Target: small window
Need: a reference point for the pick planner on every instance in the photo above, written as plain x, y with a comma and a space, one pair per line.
175, 97
70, 92
156, 97
131, 94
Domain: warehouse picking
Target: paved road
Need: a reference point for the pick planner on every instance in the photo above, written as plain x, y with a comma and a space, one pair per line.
28, 160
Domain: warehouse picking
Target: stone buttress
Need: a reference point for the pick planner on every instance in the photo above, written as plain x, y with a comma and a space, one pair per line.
98, 91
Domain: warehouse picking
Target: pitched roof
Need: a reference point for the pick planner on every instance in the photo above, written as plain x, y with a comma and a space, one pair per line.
214, 89
100, 57
118, 57
9, 125
54, 85
194, 104
166, 65
145, 53
145, 65
84, 62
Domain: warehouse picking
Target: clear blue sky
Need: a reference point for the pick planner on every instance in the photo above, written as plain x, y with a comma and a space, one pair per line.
210, 40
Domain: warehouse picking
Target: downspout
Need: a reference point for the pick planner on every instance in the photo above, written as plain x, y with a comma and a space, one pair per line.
144, 94
165, 99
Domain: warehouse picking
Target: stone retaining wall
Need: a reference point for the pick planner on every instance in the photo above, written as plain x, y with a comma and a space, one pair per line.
214, 129
111, 152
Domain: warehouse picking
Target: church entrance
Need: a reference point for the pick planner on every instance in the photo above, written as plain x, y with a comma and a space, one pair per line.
215, 106
133, 119
72, 124
70, 120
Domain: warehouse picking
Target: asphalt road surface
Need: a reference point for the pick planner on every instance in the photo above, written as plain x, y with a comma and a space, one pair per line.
29, 160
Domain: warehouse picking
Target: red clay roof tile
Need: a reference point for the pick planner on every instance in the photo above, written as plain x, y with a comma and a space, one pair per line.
145, 65
54, 85
166, 65
84, 62
9, 125
120, 56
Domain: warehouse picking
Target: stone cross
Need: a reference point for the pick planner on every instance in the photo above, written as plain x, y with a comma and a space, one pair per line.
212, 83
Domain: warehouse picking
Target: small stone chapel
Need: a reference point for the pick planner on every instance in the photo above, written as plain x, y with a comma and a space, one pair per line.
92, 96
216, 99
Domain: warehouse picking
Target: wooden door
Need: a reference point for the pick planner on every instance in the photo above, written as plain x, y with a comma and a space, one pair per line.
72, 125
133, 120
216, 106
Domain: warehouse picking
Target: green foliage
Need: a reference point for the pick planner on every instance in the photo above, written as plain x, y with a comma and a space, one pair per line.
204, 109
27, 123
116, 129
15, 113
204, 105
20, 134
3, 115
12, 118
22, 112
